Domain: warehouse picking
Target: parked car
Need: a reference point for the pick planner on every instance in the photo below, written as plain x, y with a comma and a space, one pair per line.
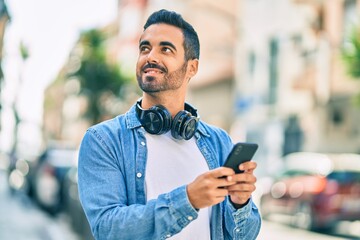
72, 206
315, 191
50, 172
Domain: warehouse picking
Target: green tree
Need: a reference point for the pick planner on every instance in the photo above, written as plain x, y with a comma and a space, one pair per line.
351, 56
96, 74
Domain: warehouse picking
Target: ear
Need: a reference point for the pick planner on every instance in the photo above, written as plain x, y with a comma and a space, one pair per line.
192, 67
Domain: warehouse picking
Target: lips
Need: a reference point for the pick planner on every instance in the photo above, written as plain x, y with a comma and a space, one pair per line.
153, 69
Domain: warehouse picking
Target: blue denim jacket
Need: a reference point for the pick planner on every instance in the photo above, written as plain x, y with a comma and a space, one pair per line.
111, 171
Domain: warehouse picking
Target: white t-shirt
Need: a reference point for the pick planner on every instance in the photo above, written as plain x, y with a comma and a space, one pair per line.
166, 171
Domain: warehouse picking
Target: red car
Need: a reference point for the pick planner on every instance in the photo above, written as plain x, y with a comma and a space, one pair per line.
315, 191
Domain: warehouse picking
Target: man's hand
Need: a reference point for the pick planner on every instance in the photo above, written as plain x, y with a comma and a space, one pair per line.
211, 187
241, 191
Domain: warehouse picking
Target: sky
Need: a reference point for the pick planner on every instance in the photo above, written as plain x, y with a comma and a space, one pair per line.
49, 29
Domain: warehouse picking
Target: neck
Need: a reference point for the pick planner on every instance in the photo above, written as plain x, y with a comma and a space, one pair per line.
173, 104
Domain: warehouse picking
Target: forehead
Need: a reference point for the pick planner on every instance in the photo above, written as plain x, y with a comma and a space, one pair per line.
161, 32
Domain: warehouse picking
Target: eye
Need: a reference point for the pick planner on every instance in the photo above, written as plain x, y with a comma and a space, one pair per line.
167, 50
144, 48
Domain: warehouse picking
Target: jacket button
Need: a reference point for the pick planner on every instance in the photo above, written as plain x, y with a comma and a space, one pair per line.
142, 143
139, 175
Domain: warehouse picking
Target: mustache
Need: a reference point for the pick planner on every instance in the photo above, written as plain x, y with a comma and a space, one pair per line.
153, 65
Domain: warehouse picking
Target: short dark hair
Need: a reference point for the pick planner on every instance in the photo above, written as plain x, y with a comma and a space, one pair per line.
191, 39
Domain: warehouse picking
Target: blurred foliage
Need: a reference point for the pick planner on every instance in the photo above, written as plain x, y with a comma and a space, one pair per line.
97, 75
351, 56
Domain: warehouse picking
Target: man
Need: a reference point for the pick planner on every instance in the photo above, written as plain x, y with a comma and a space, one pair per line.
155, 172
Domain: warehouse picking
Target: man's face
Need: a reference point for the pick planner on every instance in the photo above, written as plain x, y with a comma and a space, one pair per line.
161, 64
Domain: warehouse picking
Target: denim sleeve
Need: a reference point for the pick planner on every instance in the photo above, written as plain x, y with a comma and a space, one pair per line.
243, 223
104, 190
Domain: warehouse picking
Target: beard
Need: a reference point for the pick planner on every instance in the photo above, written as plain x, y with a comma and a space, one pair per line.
169, 81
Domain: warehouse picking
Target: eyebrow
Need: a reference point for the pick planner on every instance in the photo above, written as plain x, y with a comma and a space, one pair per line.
163, 43
166, 43
144, 42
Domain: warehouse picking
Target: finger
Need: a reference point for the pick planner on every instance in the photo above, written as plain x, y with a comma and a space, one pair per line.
241, 187
224, 182
244, 178
221, 192
221, 172
248, 166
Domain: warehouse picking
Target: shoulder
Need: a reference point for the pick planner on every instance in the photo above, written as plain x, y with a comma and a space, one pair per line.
213, 131
108, 126
217, 137
121, 123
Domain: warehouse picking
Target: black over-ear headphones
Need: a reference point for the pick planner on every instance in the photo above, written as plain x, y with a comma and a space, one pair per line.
157, 120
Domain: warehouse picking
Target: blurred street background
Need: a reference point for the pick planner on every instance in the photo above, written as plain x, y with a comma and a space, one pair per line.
282, 73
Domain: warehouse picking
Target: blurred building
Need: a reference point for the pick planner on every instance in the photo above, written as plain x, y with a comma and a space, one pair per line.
4, 18
289, 67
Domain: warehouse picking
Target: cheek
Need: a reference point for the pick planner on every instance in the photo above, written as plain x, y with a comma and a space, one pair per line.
139, 64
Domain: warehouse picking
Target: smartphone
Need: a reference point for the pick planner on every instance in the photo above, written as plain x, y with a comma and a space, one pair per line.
241, 152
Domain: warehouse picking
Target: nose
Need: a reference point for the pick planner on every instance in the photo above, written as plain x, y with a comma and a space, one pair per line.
152, 57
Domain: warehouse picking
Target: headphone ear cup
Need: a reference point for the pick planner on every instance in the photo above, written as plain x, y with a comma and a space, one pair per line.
166, 118
184, 125
189, 127
156, 120
152, 121
177, 124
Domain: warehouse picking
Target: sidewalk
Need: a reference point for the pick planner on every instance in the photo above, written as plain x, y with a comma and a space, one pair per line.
20, 219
